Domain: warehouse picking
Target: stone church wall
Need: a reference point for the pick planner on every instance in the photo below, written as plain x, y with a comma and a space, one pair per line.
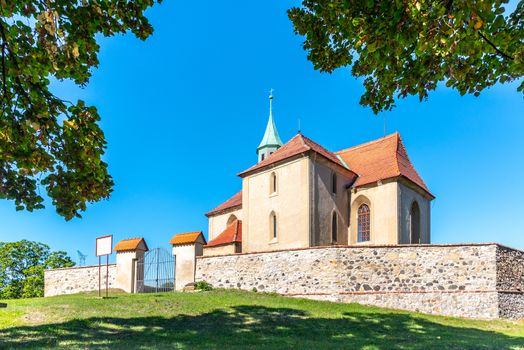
76, 279
475, 280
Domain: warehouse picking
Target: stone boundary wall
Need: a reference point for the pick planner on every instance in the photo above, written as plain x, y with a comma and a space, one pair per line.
510, 280
510, 269
76, 279
469, 280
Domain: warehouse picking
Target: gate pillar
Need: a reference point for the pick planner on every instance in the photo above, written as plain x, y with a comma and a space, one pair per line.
128, 251
186, 247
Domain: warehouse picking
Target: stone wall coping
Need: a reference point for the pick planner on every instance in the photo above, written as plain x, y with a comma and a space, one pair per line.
79, 267
358, 246
407, 292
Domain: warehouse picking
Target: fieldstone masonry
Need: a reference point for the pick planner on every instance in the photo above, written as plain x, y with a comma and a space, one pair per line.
510, 282
470, 280
76, 279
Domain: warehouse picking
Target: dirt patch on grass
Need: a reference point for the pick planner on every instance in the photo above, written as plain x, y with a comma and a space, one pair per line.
34, 318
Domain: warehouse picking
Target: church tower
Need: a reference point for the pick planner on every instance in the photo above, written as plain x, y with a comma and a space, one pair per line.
271, 141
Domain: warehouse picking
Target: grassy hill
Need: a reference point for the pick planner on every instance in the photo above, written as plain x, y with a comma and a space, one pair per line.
237, 320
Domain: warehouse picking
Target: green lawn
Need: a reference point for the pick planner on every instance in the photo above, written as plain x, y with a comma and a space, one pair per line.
237, 320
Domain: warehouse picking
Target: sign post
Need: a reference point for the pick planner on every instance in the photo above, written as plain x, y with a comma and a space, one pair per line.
104, 246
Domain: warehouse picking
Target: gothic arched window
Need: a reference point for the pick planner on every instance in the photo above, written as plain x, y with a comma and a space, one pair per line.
273, 225
364, 223
273, 183
334, 183
334, 227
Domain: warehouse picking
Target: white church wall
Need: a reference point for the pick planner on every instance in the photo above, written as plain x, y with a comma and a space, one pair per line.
407, 195
383, 203
224, 249
218, 223
290, 204
324, 202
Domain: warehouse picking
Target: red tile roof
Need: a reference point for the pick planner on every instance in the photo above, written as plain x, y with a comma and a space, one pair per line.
381, 159
373, 161
297, 145
186, 238
232, 234
232, 202
130, 244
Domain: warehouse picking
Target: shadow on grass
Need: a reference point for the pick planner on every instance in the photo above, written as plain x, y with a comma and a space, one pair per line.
256, 327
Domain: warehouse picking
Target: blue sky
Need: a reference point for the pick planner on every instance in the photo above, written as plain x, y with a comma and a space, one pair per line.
184, 111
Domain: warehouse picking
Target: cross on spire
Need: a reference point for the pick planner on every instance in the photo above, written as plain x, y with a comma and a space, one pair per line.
271, 103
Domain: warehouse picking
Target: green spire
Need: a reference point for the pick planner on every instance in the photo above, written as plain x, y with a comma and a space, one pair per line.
271, 138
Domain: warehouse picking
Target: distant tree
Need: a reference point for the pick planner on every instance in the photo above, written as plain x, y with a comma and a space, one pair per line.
22, 266
406, 47
45, 140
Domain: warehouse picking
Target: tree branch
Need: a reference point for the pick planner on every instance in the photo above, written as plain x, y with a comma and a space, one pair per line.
499, 52
13, 58
5, 95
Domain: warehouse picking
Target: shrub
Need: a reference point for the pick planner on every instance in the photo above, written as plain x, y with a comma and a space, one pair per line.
203, 285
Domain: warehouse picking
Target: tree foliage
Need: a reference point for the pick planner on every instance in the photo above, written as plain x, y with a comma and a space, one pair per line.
406, 47
46, 141
22, 266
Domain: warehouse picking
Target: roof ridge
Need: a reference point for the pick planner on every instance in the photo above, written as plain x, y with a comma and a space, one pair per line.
298, 145
188, 233
316, 144
226, 204
302, 137
399, 140
383, 138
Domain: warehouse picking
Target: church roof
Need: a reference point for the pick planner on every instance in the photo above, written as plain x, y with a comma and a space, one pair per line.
232, 202
232, 234
297, 145
381, 159
376, 160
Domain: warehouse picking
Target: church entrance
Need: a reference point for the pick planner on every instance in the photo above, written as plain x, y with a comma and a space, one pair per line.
156, 272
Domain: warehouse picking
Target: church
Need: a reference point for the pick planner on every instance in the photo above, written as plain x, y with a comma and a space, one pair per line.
300, 195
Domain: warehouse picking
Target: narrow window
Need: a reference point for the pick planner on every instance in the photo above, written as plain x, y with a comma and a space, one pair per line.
273, 183
273, 226
364, 228
263, 156
334, 183
334, 228
414, 223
